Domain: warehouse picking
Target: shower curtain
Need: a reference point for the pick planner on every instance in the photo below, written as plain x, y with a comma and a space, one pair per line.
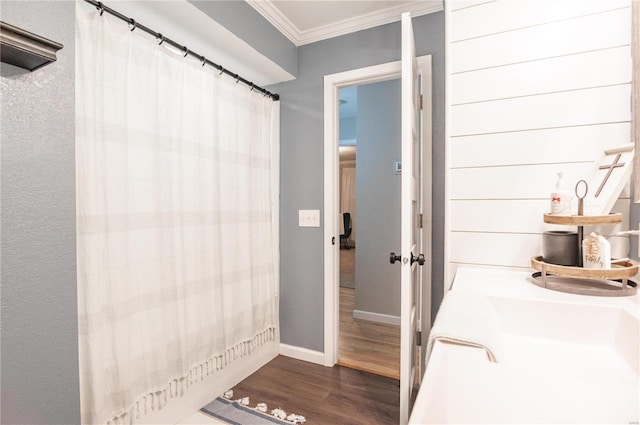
177, 220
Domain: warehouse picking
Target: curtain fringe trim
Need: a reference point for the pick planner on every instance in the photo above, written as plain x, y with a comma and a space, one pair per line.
156, 400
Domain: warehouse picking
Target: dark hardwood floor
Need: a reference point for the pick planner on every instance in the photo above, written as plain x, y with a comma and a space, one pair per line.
323, 395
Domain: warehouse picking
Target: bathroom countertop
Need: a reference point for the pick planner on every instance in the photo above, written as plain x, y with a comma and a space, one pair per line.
509, 283
567, 358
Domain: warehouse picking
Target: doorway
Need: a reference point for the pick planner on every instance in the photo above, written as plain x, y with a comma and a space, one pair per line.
332, 85
369, 293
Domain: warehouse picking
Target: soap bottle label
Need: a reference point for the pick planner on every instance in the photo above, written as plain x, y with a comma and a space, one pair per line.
557, 203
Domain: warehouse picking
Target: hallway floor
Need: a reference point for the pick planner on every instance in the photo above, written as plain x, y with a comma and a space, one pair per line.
364, 345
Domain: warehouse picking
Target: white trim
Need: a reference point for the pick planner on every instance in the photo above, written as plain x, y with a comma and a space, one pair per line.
298, 37
448, 279
371, 20
303, 354
332, 83
376, 317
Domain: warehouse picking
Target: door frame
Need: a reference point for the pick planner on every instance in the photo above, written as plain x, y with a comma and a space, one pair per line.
332, 84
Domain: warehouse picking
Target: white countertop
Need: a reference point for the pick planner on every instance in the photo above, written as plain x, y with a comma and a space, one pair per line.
510, 283
569, 359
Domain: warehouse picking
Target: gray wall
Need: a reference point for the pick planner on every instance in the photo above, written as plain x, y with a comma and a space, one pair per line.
378, 195
246, 23
348, 128
39, 348
302, 260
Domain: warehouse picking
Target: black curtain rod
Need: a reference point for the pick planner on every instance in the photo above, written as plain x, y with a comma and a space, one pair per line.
162, 39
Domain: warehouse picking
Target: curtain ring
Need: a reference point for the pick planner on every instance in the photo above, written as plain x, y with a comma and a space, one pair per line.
100, 7
221, 69
133, 24
203, 60
185, 50
160, 39
251, 87
237, 77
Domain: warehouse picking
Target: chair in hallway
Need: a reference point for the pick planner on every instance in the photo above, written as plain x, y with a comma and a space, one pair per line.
344, 238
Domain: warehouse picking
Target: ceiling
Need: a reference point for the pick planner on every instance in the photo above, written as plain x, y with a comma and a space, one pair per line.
307, 21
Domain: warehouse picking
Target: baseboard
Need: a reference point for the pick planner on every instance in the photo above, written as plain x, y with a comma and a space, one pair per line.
300, 353
376, 317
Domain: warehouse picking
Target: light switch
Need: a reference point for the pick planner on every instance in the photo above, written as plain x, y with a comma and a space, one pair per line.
309, 218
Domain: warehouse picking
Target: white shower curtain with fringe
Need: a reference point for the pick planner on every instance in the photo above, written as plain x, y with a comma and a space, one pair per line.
177, 220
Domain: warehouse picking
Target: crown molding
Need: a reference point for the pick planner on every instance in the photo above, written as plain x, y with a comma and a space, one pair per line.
347, 26
276, 18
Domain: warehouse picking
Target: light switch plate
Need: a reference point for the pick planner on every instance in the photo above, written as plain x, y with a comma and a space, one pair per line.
309, 218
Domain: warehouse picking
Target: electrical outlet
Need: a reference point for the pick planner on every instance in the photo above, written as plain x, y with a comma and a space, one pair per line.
309, 218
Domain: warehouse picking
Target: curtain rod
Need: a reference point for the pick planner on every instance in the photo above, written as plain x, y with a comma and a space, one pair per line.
162, 39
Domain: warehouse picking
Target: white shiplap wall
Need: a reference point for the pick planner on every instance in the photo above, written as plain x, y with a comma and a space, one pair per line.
533, 87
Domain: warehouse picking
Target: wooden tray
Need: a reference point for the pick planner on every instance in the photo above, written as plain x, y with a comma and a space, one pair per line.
622, 270
583, 220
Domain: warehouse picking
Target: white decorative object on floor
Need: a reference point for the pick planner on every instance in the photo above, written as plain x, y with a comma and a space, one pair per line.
279, 413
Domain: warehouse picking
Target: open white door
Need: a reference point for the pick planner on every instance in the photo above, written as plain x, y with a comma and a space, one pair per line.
410, 233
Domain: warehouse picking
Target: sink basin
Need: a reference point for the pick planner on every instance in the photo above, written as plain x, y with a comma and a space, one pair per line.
565, 358
581, 340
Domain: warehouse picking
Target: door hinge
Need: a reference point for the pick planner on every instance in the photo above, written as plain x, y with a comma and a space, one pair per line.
419, 224
419, 338
420, 104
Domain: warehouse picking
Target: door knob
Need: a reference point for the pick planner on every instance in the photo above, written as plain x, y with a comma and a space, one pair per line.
393, 258
419, 259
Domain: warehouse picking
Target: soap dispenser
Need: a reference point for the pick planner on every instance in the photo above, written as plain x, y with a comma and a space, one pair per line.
560, 198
